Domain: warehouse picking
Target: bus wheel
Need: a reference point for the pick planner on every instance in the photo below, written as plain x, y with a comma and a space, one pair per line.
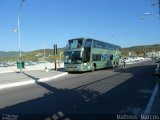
93, 68
113, 64
117, 64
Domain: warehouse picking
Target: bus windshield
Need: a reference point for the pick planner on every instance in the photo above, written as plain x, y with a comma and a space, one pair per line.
73, 57
75, 43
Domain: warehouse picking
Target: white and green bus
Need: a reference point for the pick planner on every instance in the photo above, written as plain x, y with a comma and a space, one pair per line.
86, 54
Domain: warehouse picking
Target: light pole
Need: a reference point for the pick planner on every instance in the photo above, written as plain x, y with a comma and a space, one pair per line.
19, 35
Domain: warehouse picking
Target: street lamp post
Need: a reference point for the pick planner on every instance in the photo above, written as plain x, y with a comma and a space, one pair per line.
19, 35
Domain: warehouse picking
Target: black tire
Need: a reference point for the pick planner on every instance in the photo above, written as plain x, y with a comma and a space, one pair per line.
113, 64
117, 63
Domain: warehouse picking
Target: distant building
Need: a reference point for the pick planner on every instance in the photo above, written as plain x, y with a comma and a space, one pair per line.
158, 54
153, 54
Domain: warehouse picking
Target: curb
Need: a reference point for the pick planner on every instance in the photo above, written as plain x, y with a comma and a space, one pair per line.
10, 85
7, 72
13, 71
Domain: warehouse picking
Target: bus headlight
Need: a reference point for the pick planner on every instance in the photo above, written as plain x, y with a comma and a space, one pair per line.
80, 67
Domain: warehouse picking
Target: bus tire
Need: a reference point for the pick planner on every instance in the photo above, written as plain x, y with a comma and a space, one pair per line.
93, 68
117, 63
113, 64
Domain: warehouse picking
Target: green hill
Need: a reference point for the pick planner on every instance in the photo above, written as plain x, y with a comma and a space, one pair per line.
37, 55
140, 50
6, 54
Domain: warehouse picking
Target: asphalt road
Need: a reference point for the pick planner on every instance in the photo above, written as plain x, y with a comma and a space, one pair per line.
91, 95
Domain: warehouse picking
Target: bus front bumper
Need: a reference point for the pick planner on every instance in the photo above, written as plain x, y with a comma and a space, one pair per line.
73, 68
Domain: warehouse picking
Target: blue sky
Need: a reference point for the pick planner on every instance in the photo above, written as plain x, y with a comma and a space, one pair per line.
55, 21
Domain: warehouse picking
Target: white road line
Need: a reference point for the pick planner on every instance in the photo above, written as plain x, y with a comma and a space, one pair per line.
150, 103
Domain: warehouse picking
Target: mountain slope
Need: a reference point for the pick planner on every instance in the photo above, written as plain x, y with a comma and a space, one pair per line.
6, 54
140, 50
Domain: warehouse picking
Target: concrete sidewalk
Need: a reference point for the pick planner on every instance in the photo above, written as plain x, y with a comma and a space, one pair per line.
29, 68
13, 79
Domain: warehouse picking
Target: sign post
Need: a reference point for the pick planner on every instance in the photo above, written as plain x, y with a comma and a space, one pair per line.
55, 56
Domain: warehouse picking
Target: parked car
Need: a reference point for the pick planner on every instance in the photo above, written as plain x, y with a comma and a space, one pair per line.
5, 65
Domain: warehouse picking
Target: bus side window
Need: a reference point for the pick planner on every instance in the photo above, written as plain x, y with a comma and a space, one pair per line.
88, 44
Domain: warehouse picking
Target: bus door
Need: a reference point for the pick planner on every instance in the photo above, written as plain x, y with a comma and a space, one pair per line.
87, 50
87, 53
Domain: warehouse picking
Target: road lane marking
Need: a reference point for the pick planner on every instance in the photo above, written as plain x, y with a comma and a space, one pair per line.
150, 103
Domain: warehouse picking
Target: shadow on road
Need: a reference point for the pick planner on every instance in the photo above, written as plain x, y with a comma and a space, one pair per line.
30, 76
94, 101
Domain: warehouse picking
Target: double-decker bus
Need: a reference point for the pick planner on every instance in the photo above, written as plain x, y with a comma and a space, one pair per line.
87, 54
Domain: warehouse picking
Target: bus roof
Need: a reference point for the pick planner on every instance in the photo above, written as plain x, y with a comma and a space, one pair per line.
106, 43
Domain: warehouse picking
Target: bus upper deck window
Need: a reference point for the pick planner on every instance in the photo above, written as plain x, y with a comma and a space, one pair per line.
88, 43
